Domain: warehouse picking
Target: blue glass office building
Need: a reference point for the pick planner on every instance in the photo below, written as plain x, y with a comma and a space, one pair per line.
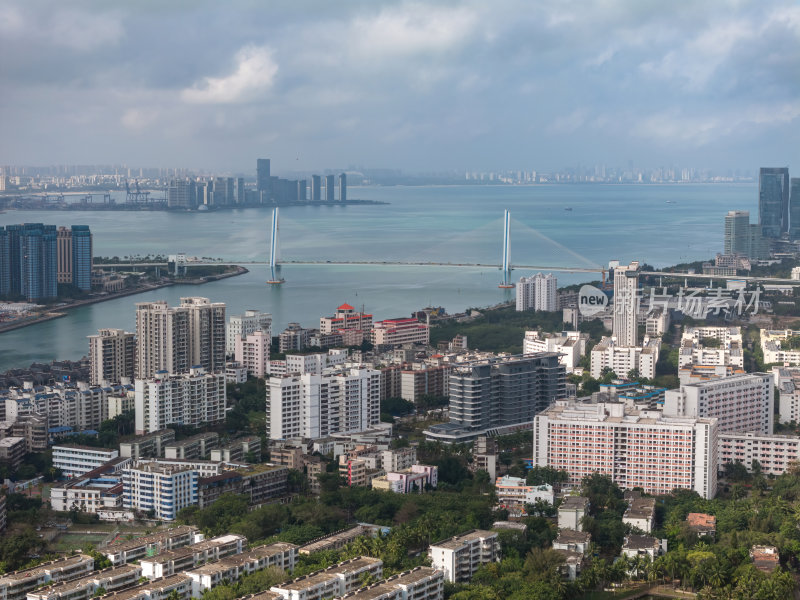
82, 257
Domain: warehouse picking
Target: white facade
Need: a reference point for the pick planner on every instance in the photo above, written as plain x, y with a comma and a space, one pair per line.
64, 405
243, 325
622, 359
396, 332
333, 582
694, 352
460, 556
740, 403
75, 461
163, 489
774, 345
626, 304
538, 292
252, 352
570, 345
196, 398
636, 448
314, 364
315, 406
787, 380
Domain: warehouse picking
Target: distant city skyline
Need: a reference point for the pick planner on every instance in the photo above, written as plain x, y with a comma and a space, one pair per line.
401, 85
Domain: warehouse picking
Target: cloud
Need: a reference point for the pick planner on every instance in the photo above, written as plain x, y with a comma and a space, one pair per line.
254, 74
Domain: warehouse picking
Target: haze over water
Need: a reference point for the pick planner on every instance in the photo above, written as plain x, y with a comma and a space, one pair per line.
657, 224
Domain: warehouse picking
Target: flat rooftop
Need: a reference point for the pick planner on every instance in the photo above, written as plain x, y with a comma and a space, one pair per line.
459, 540
574, 503
571, 536
318, 577
64, 587
156, 584
149, 539
44, 568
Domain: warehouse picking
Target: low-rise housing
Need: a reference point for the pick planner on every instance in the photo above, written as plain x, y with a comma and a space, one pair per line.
190, 557
17, 584
12, 451
417, 478
196, 446
230, 569
570, 345
420, 583
608, 354
711, 346
643, 545
158, 589
702, 524
513, 494
787, 380
571, 512
765, 558
336, 540
460, 556
151, 445
396, 332
84, 588
121, 553
641, 513
74, 460
332, 582
572, 540
781, 347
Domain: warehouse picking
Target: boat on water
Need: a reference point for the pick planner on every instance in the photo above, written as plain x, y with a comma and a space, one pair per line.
506, 286
568, 208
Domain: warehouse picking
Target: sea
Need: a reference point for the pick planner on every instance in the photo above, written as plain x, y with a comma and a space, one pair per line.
556, 226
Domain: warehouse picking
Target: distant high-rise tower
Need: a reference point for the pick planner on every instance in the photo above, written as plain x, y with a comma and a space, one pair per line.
302, 195
64, 253
343, 187
737, 225
38, 260
316, 193
82, 257
794, 209
773, 201
538, 292
262, 175
626, 303
329, 187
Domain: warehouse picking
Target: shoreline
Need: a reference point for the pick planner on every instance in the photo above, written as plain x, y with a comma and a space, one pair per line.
159, 206
56, 312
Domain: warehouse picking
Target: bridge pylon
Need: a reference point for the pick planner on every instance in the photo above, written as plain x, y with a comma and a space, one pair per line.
274, 268
506, 264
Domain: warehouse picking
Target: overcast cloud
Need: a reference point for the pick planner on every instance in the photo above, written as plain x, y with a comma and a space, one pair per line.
420, 86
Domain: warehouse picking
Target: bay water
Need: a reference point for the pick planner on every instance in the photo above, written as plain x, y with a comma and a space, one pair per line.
581, 225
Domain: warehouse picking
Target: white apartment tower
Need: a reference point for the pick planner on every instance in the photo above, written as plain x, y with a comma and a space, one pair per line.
164, 489
195, 398
240, 326
626, 304
174, 339
112, 354
538, 292
315, 406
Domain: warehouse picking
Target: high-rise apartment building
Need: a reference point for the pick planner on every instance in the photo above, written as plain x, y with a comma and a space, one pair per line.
497, 392
794, 209
343, 187
329, 188
538, 292
740, 403
196, 398
174, 339
64, 254
82, 257
316, 192
315, 406
744, 238
773, 201
262, 175
635, 447
243, 325
252, 352
626, 304
112, 356
38, 256
206, 333
181, 194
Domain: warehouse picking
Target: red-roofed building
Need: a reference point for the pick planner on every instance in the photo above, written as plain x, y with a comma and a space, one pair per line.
395, 332
346, 318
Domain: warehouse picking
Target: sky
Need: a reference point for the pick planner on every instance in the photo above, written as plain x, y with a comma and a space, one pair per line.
418, 86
